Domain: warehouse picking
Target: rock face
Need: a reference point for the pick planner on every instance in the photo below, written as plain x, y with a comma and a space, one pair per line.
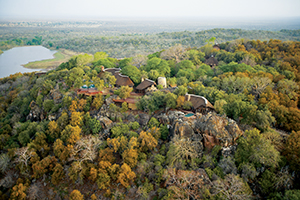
143, 119
105, 122
217, 130
211, 128
35, 114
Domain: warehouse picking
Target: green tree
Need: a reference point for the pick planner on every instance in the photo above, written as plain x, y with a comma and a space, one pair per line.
133, 73
257, 150
100, 55
124, 92
170, 100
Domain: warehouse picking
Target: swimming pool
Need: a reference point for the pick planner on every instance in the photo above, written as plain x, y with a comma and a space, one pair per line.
189, 115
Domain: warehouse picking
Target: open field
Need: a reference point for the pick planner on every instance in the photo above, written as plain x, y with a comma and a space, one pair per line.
61, 56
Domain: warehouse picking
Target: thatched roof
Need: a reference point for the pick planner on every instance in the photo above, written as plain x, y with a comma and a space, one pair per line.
145, 84
198, 101
111, 70
212, 61
123, 80
217, 46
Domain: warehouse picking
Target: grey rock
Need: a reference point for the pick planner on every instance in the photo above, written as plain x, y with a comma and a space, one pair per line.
143, 119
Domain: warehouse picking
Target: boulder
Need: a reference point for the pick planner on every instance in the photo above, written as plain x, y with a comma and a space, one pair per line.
130, 118
143, 119
163, 118
106, 123
183, 129
217, 130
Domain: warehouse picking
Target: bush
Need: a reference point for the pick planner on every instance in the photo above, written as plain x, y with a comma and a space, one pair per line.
164, 132
134, 125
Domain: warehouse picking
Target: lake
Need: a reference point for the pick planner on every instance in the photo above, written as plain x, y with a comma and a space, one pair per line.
11, 61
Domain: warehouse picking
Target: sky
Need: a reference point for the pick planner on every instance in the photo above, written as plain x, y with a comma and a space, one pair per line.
37, 9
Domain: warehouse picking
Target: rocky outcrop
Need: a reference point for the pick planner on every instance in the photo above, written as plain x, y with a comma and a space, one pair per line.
105, 122
130, 118
143, 119
217, 130
211, 128
36, 113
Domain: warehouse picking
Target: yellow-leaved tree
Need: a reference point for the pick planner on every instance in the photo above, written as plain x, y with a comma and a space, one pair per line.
126, 175
76, 195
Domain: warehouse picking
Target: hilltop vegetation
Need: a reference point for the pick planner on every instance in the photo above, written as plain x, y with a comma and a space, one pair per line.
58, 144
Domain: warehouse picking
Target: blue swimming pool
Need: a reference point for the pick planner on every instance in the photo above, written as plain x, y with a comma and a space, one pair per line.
189, 115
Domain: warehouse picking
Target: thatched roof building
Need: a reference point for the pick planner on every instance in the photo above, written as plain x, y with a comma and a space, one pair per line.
111, 70
217, 46
212, 61
199, 103
145, 85
123, 80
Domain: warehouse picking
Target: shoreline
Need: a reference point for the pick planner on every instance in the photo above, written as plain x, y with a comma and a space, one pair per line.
62, 55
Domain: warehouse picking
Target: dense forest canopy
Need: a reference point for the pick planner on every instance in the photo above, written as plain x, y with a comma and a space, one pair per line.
124, 42
57, 143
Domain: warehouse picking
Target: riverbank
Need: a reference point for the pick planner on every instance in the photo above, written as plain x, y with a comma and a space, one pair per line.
60, 56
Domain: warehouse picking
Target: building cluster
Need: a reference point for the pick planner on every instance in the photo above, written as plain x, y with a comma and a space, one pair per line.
199, 103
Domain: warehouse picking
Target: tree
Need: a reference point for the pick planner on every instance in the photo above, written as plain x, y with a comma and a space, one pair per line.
153, 122
124, 107
153, 74
130, 157
139, 60
183, 151
48, 105
187, 184
147, 141
111, 80
71, 134
58, 174
98, 101
124, 91
180, 101
159, 65
40, 144
76, 119
232, 187
18, 192
53, 130
61, 151
133, 73
100, 55
292, 150
4, 162
126, 175
176, 52
42, 167
257, 150
75, 74
197, 57
94, 125
85, 149
170, 100
181, 90
23, 155
76, 195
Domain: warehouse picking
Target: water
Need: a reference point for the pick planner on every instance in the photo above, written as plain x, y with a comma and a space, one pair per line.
189, 115
11, 61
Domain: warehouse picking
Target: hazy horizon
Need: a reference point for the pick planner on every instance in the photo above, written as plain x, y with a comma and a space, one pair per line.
154, 10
